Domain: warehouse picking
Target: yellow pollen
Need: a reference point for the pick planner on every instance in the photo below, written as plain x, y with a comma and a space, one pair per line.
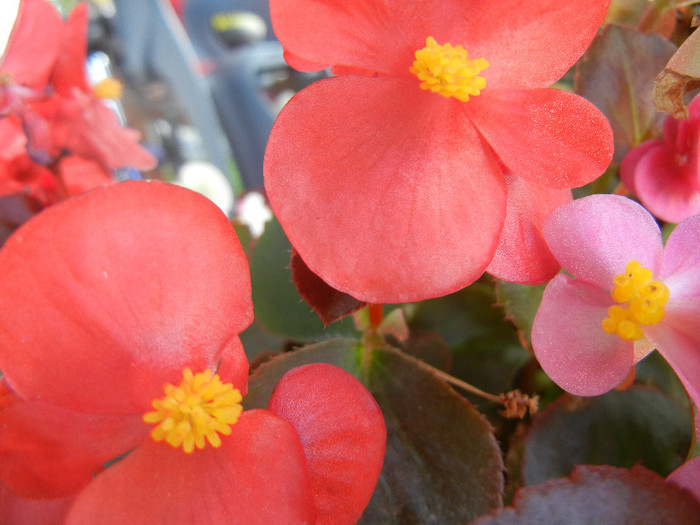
642, 299
196, 411
447, 70
108, 88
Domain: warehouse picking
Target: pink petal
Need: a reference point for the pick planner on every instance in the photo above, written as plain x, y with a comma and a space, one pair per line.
542, 39
522, 255
34, 44
343, 434
51, 452
257, 477
595, 237
547, 136
570, 344
390, 197
668, 189
679, 344
688, 476
628, 166
121, 287
680, 267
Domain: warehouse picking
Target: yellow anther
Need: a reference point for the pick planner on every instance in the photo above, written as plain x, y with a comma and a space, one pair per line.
642, 301
108, 88
447, 70
196, 411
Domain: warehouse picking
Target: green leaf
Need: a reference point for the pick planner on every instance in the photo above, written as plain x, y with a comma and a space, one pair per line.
617, 74
638, 425
442, 465
520, 303
277, 303
605, 495
485, 346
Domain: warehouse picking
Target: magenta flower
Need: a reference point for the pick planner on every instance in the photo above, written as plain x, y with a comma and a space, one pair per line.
665, 174
628, 295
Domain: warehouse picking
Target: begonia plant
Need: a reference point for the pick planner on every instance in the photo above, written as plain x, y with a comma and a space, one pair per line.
389, 177
665, 173
122, 348
626, 295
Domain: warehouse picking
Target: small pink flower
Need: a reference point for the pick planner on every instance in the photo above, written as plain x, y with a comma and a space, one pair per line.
628, 295
665, 174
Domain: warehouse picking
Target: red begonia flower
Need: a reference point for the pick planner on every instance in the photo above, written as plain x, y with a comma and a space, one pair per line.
665, 174
391, 192
144, 283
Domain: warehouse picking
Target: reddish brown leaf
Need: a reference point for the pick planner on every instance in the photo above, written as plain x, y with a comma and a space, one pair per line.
329, 303
681, 75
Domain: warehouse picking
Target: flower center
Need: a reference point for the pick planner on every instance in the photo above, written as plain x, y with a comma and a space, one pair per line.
642, 299
201, 407
448, 71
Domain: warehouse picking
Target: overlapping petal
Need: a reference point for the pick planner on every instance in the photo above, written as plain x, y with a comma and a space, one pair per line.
522, 255
410, 200
343, 433
569, 342
51, 452
688, 476
547, 136
150, 277
528, 45
257, 477
69, 71
595, 237
15, 510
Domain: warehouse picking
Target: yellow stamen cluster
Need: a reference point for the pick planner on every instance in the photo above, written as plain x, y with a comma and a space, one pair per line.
447, 70
196, 411
642, 299
108, 88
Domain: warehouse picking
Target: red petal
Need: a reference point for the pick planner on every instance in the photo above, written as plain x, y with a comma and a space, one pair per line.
51, 452
528, 44
570, 343
34, 43
522, 255
547, 136
112, 293
69, 71
257, 477
390, 196
15, 510
343, 433
79, 174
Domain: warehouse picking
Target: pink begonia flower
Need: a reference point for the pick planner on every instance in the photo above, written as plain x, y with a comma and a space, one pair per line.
390, 179
586, 340
665, 174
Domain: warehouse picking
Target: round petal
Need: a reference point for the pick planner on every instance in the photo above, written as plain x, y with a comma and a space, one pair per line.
688, 476
257, 477
343, 433
389, 198
15, 510
51, 452
570, 344
628, 167
111, 294
668, 189
34, 44
595, 237
547, 136
679, 345
527, 44
680, 268
522, 255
